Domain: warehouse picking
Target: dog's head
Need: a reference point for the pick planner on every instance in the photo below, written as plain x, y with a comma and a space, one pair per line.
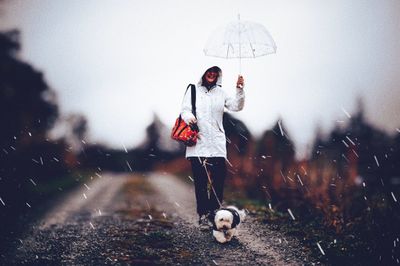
223, 220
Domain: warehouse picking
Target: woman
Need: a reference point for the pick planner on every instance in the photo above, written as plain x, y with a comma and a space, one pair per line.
208, 156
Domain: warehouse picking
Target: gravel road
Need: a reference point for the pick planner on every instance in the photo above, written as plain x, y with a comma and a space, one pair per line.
143, 220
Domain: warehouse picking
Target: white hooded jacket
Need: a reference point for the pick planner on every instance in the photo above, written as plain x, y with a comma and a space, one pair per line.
209, 111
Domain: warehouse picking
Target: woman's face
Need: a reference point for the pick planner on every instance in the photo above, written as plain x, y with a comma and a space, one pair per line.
211, 76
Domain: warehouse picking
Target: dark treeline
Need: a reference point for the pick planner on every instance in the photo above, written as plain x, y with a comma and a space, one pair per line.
28, 159
349, 187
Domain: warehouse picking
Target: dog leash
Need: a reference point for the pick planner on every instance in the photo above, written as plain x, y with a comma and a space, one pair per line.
209, 180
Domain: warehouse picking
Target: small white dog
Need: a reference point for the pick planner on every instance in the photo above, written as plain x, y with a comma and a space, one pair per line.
225, 223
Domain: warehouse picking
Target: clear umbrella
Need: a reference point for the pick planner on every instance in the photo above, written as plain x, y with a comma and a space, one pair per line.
240, 39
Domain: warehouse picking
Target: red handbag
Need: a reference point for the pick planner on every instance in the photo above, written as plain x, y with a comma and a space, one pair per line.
182, 132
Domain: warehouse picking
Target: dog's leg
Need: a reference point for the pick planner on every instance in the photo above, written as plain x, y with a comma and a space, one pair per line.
219, 236
229, 234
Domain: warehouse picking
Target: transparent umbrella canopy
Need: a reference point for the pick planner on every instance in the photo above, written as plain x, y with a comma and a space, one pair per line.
240, 39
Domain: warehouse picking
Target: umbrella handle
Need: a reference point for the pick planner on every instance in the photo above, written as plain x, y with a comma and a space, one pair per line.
240, 47
240, 65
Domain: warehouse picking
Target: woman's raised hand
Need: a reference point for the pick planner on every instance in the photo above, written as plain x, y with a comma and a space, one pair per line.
240, 82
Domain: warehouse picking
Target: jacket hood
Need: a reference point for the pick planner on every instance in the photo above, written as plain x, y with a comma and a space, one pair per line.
219, 80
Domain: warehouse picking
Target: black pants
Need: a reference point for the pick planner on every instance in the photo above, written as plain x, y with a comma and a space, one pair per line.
216, 167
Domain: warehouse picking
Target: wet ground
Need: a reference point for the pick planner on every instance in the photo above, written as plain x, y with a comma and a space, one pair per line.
144, 220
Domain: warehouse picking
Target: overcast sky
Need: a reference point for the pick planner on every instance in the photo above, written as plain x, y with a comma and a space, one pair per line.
118, 62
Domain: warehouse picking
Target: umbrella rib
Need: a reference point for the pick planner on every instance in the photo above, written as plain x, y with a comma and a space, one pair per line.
252, 50
234, 41
227, 50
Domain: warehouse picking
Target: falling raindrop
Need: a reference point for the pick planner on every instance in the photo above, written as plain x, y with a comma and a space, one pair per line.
229, 162
237, 148
130, 168
320, 248
243, 137
376, 160
347, 114
33, 182
126, 151
291, 214
91, 225
305, 172
2, 201
355, 153
284, 179
394, 198
344, 156
347, 137
280, 127
300, 180
345, 144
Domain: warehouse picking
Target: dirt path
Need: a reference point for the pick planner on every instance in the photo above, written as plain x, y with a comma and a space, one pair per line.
255, 244
142, 220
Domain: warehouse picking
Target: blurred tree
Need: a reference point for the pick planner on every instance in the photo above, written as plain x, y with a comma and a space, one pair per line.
28, 110
72, 128
236, 131
240, 148
275, 155
27, 105
277, 144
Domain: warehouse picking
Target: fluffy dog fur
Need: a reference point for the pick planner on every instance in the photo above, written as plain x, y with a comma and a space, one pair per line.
226, 222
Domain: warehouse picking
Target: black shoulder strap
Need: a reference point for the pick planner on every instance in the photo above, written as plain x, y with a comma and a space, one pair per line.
193, 88
193, 94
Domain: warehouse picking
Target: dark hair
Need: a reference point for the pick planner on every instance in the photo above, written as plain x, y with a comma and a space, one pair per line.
213, 69
203, 78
